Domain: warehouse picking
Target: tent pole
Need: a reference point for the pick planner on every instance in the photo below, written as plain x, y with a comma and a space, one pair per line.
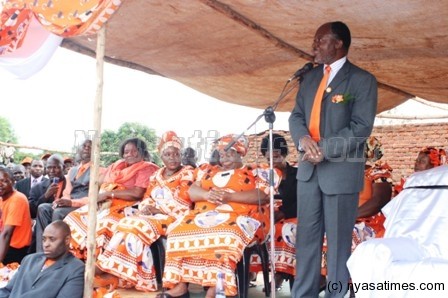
94, 184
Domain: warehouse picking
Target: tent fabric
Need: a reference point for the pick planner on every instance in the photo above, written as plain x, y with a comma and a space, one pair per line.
61, 17
243, 51
36, 50
30, 30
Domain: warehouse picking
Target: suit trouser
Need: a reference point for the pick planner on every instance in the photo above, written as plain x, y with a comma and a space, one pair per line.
46, 215
318, 213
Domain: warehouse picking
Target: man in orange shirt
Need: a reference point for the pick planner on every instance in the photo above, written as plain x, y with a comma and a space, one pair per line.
15, 221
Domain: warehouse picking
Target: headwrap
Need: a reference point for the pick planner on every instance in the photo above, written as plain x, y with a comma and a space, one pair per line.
168, 139
373, 149
241, 143
437, 157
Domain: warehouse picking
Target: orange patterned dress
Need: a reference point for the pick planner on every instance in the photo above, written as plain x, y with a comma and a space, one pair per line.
118, 176
211, 238
128, 254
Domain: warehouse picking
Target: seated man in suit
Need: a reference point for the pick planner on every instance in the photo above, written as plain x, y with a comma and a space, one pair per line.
47, 192
53, 273
74, 195
36, 176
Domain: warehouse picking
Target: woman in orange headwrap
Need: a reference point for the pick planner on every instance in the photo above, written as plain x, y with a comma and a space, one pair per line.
428, 158
212, 237
123, 184
128, 254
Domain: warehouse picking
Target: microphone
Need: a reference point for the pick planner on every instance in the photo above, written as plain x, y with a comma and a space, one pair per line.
298, 74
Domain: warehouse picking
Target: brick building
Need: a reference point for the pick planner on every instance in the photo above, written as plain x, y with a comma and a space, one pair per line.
401, 144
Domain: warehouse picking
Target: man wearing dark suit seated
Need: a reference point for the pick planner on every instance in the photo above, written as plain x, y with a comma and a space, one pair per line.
53, 273
74, 196
36, 176
47, 191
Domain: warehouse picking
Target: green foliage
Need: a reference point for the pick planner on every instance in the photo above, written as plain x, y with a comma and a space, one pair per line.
6, 131
111, 141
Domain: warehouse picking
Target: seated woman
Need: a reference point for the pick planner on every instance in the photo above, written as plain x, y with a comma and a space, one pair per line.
123, 184
212, 237
285, 215
427, 158
376, 193
128, 254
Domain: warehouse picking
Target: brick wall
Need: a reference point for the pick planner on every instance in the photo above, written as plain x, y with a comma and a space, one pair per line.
401, 144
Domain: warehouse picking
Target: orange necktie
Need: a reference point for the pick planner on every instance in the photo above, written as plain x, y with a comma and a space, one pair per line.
315, 111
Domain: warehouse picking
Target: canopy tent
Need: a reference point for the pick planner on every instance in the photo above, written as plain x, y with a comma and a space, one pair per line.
244, 51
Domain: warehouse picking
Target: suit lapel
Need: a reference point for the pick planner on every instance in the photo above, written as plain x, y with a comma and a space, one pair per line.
340, 77
38, 266
59, 264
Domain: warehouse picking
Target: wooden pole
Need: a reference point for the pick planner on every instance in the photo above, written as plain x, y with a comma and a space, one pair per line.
94, 184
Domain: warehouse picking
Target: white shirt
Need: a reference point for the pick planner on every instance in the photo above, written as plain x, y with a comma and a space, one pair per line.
335, 67
38, 180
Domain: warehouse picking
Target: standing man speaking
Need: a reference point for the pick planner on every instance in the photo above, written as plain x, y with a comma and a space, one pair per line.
333, 115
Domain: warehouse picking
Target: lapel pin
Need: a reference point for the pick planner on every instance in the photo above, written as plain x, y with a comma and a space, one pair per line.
328, 90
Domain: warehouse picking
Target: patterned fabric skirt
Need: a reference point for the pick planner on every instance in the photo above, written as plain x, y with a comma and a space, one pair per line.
128, 255
107, 220
284, 248
204, 244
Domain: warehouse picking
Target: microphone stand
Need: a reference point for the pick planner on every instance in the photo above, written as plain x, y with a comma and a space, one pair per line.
269, 117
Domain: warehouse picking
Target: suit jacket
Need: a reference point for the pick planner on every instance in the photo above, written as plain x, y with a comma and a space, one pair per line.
344, 127
37, 195
65, 278
24, 186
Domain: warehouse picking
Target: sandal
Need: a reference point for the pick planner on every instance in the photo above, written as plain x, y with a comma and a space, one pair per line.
166, 295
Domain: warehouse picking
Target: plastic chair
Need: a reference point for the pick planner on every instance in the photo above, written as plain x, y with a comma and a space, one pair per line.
243, 269
158, 254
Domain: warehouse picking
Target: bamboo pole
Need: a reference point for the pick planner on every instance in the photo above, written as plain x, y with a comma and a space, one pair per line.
94, 184
33, 147
51, 150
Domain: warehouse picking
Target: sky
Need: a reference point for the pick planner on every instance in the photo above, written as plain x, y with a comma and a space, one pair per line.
53, 108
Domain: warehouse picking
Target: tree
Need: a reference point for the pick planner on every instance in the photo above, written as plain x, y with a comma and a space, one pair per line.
7, 135
111, 141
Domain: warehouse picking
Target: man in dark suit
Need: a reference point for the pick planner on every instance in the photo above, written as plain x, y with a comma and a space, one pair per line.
331, 166
36, 176
53, 273
47, 191
74, 196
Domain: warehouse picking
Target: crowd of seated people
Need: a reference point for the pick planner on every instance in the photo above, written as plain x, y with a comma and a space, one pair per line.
128, 255
207, 213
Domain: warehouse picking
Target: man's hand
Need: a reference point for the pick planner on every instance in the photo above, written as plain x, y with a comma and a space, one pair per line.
51, 191
62, 202
313, 153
